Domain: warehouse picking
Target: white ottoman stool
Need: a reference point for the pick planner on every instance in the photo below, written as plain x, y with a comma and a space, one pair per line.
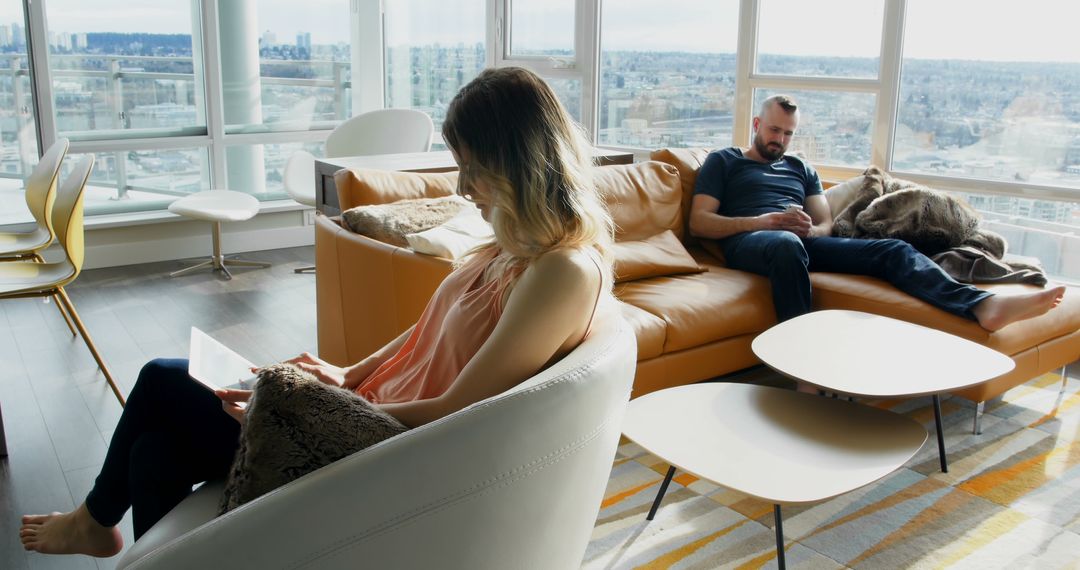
218, 206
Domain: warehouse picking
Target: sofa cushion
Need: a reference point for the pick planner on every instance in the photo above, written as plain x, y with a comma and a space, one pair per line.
661, 254
843, 194
649, 330
705, 307
455, 237
390, 223
687, 161
644, 198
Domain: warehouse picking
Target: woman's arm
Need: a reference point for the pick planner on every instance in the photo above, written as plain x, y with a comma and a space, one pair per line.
349, 377
546, 316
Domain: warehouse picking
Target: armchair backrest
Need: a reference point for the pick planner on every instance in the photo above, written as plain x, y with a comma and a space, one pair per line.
514, 481
382, 131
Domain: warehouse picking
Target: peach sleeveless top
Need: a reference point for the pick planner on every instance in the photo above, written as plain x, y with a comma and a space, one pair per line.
457, 321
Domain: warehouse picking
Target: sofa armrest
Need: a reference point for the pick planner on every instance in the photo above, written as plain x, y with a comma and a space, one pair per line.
367, 292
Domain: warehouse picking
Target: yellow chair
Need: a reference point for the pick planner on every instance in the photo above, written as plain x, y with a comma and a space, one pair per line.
40, 196
20, 279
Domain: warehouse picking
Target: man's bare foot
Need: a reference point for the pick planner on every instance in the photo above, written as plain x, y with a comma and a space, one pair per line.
70, 533
998, 311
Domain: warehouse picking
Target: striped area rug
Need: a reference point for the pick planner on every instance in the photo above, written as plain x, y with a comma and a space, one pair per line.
1011, 499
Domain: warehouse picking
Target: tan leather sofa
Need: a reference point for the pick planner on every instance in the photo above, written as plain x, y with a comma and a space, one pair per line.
689, 327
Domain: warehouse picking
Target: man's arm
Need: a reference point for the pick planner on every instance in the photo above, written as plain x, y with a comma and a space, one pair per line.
705, 222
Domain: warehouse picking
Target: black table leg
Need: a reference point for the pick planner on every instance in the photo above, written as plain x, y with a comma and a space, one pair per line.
779, 523
940, 435
660, 495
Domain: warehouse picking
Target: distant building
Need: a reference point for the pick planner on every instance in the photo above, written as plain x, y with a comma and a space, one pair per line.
269, 39
18, 36
303, 41
5, 35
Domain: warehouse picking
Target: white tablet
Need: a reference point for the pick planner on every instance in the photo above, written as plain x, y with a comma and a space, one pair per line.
216, 366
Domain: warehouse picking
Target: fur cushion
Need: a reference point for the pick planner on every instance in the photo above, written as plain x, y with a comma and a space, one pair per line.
294, 425
390, 223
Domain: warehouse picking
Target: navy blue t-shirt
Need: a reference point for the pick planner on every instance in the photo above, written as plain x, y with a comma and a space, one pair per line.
746, 187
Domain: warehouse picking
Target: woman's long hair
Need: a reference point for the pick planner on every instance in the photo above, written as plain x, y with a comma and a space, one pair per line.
523, 144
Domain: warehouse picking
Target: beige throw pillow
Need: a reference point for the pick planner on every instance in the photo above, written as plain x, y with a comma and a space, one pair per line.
661, 254
390, 223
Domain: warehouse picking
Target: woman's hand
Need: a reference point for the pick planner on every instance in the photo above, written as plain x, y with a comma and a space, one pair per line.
325, 372
234, 402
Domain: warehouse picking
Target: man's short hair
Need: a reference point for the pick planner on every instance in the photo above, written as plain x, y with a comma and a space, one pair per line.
786, 102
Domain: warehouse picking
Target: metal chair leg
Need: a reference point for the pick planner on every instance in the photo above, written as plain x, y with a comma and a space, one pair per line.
217, 261
67, 319
308, 269
90, 344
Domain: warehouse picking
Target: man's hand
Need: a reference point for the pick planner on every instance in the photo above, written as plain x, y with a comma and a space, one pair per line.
797, 222
234, 402
324, 371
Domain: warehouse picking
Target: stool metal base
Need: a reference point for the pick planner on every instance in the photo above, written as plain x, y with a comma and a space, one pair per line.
219, 262
308, 269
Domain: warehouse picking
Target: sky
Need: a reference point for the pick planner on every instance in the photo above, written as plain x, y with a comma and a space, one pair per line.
1001, 30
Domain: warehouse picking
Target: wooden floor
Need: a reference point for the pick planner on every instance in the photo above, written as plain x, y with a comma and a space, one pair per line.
58, 412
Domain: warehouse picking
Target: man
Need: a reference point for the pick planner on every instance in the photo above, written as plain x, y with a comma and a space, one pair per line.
769, 213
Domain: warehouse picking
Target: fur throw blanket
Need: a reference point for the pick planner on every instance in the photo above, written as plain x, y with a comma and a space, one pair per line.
294, 425
932, 221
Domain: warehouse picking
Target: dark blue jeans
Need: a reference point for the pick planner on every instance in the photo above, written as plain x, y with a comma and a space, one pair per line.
787, 261
172, 434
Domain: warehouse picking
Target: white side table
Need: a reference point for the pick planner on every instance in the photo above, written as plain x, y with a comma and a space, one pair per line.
217, 206
862, 354
778, 445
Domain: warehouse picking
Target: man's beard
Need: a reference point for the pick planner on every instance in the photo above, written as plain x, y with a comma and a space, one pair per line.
773, 152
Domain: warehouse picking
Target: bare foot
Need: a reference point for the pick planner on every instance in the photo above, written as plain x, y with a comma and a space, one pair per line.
998, 311
70, 533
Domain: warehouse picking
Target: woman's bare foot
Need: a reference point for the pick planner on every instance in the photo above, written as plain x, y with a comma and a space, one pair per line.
70, 533
999, 310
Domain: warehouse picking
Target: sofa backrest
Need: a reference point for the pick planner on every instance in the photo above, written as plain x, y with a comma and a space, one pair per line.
363, 187
644, 198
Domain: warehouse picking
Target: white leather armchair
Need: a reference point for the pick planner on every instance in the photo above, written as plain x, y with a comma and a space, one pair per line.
514, 481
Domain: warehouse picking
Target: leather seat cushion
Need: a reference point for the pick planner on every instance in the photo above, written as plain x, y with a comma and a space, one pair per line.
704, 307
649, 330
861, 293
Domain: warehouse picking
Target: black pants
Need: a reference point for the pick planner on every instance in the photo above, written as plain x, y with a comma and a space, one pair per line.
172, 435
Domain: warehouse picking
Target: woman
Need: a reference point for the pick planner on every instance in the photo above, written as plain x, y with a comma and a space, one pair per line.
532, 293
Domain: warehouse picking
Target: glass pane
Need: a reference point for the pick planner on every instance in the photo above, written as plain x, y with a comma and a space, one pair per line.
301, 50
834, 127
569, 93
542, 27
1048, 231
143, 180
271, 165
667, 78
988, 108
18, 138
432, 50
124, 68
830, 38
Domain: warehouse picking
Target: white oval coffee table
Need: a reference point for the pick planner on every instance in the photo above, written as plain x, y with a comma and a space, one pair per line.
778, 445
862, 354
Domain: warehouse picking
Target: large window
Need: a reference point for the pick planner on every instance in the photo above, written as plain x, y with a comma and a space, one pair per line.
432, 49
667, 77
1003, 104
18, 138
